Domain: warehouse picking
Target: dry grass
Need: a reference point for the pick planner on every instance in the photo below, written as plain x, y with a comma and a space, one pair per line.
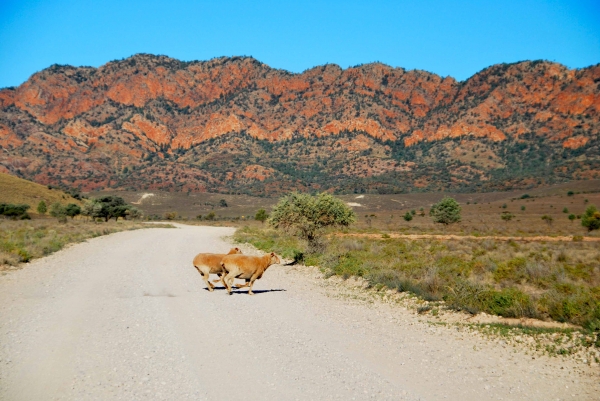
18, 191
559, 281
480, 216
22, 241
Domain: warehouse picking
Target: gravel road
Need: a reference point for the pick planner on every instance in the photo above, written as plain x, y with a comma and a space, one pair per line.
127, 317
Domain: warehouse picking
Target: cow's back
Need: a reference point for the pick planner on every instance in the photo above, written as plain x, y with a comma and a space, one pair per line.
243, 263
211, 260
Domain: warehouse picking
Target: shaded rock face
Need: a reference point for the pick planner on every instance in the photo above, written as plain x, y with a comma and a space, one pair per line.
237, 125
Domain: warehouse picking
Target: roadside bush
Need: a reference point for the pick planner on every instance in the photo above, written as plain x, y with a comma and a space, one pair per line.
474, 298
14, 212
306, 216
170, 215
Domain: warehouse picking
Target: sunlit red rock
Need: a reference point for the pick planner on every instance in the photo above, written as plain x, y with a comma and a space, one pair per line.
84, 125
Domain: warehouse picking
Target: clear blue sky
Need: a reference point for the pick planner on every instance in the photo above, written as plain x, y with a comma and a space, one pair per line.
456, 38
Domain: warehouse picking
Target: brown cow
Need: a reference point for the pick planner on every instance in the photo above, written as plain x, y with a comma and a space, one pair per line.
208, 263
249, 268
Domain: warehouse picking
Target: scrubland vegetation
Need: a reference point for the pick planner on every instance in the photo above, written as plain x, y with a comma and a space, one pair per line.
544, 280
22, 241
560, 281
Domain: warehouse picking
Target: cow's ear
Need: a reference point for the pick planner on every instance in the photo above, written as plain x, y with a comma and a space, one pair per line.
272, 253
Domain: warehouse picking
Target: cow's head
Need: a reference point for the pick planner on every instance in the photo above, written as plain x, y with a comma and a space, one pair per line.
275, 259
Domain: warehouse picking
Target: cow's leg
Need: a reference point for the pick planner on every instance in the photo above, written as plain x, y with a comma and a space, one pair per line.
251, 283
243, 285
205, 276
219, 279
228, 281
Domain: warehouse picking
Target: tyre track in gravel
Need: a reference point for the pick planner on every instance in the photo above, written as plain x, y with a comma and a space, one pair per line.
126, 317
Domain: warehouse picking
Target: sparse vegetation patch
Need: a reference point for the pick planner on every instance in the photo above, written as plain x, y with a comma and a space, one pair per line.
558, 281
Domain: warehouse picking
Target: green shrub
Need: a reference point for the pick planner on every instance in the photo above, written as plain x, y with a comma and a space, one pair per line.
41, 207
14, 211
306, 216
261, 215
447, 211
591, 218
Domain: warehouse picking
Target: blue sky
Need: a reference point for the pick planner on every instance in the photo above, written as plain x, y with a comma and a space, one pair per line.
456, 38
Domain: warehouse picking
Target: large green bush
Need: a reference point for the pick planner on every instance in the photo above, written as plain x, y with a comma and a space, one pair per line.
306, 216
591, 218
447, 211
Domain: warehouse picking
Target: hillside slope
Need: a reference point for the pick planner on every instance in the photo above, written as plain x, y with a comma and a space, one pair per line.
237, 125
20, 191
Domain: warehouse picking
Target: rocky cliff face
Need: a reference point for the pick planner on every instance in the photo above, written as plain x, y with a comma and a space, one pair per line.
237, 125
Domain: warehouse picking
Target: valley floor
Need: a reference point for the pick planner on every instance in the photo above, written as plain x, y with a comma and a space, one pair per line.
126, 316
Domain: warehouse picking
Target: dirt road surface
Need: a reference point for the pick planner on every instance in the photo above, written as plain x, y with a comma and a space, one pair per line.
126, 317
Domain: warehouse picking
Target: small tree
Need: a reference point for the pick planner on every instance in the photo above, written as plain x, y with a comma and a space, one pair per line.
88, 209
307, 216
565, 210
107, 207
572, 217
42, 208
507, 216
446, 211
408, 216
522, 207
261, 215
72, 210
210, 216
591, 218
222, 203
57, 210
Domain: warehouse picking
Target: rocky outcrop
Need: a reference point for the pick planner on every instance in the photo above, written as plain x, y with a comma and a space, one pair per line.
211, 121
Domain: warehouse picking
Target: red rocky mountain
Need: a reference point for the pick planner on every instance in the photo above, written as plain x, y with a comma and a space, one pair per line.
238, 125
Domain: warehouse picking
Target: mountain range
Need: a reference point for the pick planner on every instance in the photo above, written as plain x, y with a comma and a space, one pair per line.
236, 125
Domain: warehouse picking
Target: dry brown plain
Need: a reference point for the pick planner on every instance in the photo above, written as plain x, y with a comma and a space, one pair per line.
480, 211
